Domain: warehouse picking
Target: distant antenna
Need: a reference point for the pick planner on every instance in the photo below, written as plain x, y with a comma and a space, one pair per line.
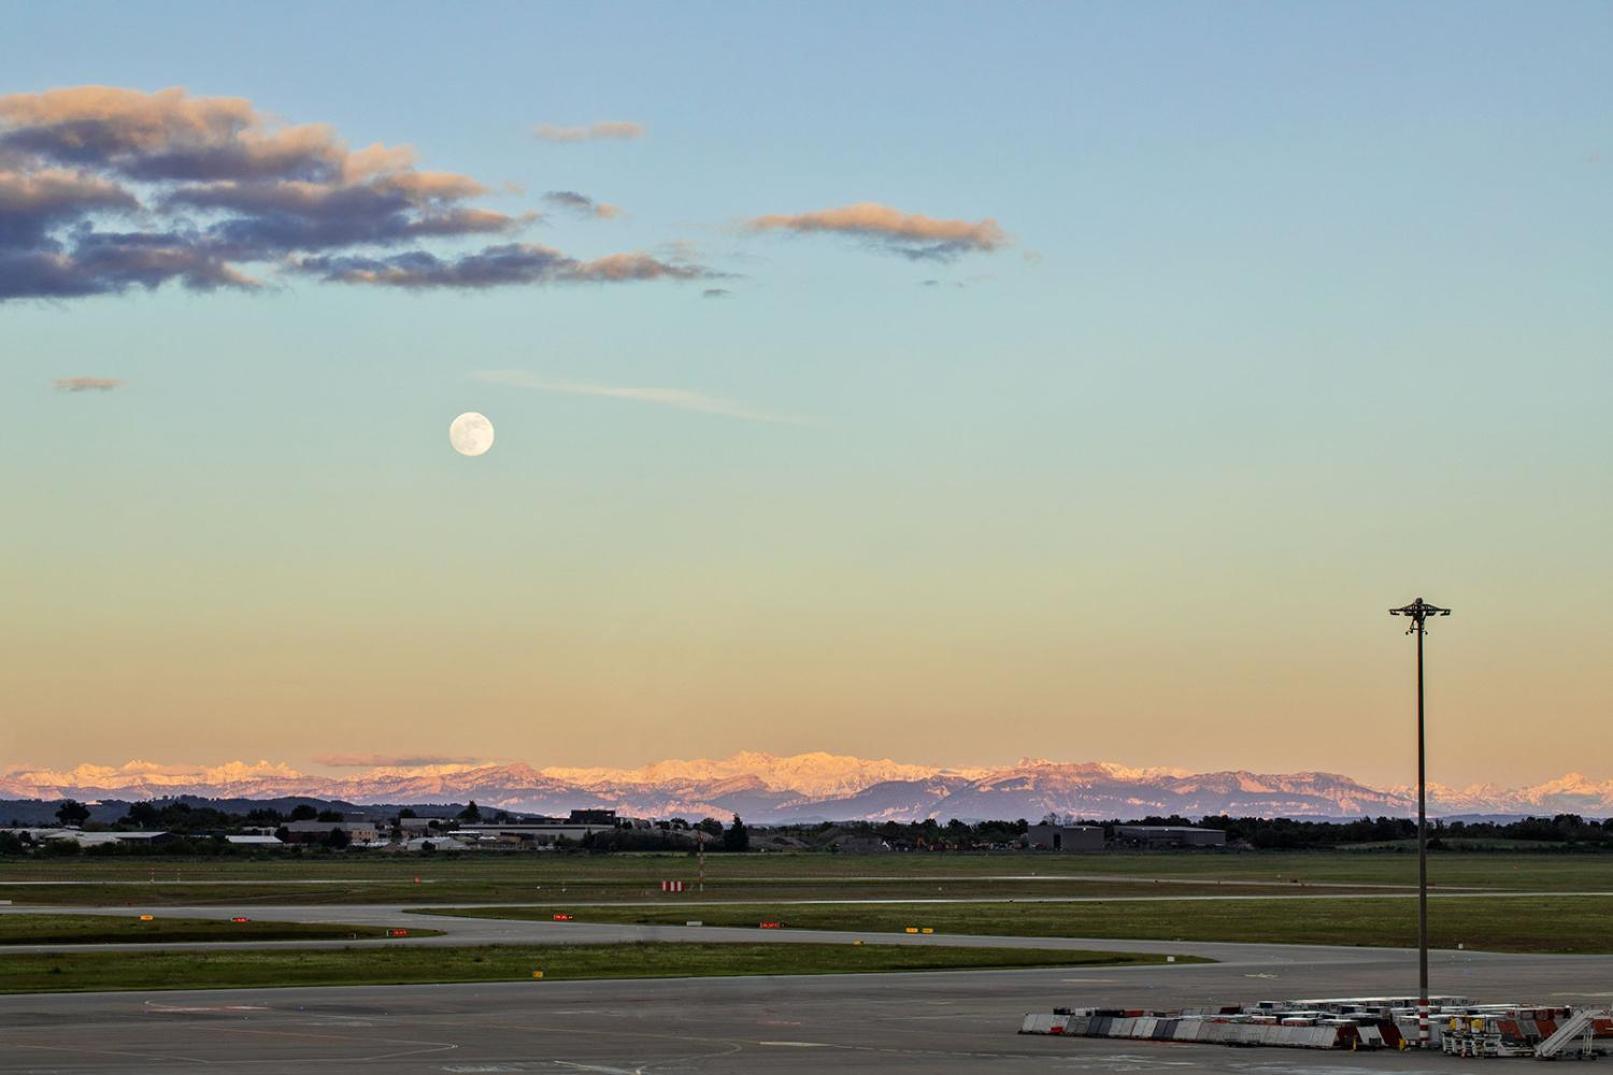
1419, 611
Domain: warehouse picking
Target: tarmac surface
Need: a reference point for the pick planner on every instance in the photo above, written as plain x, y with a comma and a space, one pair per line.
946, 1022
459, 930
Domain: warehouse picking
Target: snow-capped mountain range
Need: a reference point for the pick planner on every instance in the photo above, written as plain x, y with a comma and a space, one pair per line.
808, 787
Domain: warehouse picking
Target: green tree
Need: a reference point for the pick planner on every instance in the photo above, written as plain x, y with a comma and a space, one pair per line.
471, 812
72, 812
336, 839
737, 838
303, 812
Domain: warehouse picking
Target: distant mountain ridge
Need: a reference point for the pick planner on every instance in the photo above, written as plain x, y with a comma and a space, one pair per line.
767, 788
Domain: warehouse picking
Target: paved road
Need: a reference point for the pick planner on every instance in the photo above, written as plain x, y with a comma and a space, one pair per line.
475, 931
872, 879
948, 1022
460, 930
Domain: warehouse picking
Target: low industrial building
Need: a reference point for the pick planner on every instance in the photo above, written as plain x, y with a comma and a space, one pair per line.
434, 842
1047, 837
96, 838
313, 832
1168, 836
547, 831
859, 845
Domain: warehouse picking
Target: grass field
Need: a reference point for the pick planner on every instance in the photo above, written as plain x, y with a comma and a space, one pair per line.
128, 929
84, 971
1507, 924
515, 878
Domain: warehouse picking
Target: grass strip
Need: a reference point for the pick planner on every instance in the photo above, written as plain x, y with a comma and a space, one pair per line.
58, 972
1577, 924
128, 929
481, 872
451, 892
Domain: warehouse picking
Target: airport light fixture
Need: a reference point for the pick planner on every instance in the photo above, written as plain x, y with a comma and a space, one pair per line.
1419, 611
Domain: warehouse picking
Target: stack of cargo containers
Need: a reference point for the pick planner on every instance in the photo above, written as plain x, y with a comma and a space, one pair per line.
1458, 1028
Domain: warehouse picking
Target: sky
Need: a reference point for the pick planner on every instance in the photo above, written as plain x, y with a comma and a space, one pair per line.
1067, 381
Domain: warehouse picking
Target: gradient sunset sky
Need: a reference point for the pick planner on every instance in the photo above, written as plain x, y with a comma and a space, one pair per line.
938, 381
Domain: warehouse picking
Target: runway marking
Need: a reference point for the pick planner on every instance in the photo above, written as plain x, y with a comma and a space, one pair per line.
418, 1046
151, 1057
799, 1044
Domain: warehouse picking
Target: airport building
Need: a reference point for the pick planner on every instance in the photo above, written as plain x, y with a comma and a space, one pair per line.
312, 832
92, 839
547, 831
1168, 836
1047, 837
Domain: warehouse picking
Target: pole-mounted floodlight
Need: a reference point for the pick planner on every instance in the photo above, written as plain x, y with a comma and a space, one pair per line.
1419, 611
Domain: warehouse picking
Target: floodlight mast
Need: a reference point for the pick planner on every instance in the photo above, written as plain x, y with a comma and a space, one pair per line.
1419, 611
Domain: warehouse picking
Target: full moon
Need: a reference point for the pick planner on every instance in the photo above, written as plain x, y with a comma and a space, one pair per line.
471, 433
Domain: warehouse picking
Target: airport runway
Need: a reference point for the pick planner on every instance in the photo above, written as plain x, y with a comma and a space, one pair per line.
481, 931
458, 930
946, 1022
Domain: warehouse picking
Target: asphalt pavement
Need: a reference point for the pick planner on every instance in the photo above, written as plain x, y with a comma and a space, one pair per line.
945, 1022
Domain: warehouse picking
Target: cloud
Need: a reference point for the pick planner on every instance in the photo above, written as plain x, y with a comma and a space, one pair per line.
32, 203
912, 235
681, 398
389, 761
101, 263
202, 187
497, 266
592, 132
581, 204
87, 384
272, 218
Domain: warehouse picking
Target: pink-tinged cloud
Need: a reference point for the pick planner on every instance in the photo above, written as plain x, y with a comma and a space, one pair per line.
87, 384
217, 184
912, 235
581, 205
32, 201
498, 266
590, 132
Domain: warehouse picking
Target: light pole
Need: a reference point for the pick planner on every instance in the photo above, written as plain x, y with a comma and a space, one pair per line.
1419, 611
